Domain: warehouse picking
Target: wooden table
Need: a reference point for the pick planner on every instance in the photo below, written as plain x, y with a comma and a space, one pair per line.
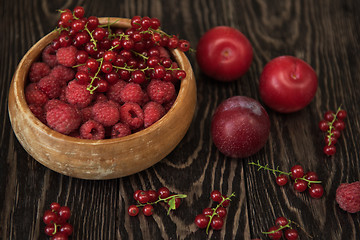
323, 33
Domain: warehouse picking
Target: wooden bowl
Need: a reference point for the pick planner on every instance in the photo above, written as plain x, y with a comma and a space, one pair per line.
99, 159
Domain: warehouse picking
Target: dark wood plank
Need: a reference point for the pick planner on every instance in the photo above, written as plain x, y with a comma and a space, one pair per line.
325, 34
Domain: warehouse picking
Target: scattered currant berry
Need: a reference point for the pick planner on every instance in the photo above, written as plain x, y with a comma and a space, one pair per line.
56, 223
285, 226
214, 217
301, 181
332, 124
147, 199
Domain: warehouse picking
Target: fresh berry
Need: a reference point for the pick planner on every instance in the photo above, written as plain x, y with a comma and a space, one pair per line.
62, 74
148, 210
160, 91
132, 115
120, 130
105, 113
92, 130
34, 95
66, 228
63, 118
208, 211
216, 196
132, 92
50, 86
217, 223
221, 212
153, 111
300, 185
291, 234
153, 195
66, 56
276, 234
49, 56
297, 171
281, 180
281, 221
202, 220
133, 210
114, 91
348, 196
316, 190
38, 70
77, 94
163, 192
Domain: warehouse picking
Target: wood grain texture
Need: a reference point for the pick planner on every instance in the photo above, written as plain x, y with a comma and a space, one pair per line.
323, 33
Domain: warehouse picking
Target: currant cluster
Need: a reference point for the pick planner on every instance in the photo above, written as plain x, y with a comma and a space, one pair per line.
146, 200
214, 217
106, 55
281, 223
302, 180
333, 124
56, 219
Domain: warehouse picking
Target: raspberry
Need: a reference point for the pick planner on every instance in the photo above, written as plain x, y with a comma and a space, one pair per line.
52, 104
163, 52
132, 115
86, 113
62, 74
92, 130
49, 57
38, 70
34, 95
38, 112
120, 130
132, 92
62, 96
76, 94
66, 56
160, 91
153, 111
114, 91
63, 118
348, 196
169, 104
100, 97
50, 86
105, 113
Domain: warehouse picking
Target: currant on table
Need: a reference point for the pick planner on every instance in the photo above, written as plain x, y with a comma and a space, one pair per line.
214, 217
146, 200
302, 180
332, 124
283, 227
56, 223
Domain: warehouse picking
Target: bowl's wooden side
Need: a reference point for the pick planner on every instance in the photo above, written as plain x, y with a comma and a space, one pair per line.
102, 159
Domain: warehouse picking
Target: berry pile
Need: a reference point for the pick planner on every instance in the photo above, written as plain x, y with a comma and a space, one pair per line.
348, 196
95, 81
302, 180
332, 124
146, 200
281, 223
214, 217
56, 222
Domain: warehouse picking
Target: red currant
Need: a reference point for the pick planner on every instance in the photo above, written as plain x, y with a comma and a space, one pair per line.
335, 133
143, 197
133, 210
339, 125
136, 22
300, 185
202, 220
324, 125
153, 195
184, 45
221, 212
60, 236
226, 202
64, 213
148, 210
281, 221
66, 228
316, 190
291, 234
217, 223
163, 192
55, 206
50, 217
281, 180
106, 67
216, 196
341, 115
297, 171
136, 195
208, 211
330, 140
78, 11
311, 176
329, 150
329, 116
50, 229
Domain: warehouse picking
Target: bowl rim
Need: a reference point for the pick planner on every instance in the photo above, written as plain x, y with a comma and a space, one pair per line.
25, 63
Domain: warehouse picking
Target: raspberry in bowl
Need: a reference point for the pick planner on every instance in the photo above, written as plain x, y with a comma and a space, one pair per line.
107, 141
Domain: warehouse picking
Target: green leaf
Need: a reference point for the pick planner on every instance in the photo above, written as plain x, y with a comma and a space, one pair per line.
171, 205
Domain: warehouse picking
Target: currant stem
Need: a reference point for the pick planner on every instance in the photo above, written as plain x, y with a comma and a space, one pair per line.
308, 181
274, 171
288, 225
331, 127
163, 199
214, 210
